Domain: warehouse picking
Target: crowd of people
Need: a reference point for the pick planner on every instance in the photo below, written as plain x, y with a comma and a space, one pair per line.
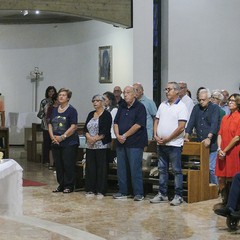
133, 120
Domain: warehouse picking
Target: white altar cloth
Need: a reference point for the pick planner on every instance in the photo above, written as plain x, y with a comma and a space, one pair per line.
10, 187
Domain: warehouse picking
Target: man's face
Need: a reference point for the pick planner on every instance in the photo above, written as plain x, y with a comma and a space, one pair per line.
183, 89
225, 96
203, 100
138, 91
171, 93
129, 95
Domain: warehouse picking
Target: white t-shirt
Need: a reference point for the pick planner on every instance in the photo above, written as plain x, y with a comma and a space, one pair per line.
189, 104
168, 116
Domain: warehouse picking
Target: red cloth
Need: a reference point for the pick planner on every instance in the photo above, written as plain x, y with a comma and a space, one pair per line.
230, 127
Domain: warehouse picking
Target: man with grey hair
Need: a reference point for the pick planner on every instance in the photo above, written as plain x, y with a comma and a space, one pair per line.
217, 98
149, 105
205, 118
185, 98
169, 128
131, 138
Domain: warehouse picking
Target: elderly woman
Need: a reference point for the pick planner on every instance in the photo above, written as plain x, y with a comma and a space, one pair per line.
65, 141
228, 161
98, 136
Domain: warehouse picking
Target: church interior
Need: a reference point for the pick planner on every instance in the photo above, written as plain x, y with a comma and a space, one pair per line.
197, 42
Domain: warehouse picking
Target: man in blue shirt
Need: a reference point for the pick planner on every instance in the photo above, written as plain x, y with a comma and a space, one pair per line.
131, 134
205, 118
150, 108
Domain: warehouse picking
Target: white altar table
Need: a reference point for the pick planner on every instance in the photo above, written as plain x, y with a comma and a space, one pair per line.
10, 187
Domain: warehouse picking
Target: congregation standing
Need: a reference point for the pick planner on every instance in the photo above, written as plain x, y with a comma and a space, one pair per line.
131, 122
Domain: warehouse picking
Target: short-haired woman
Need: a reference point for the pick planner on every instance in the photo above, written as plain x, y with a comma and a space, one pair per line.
65, 141
98, 136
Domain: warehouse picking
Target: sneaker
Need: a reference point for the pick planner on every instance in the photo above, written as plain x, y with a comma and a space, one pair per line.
176, 201
159, 198
119, 196
100, 196
138, 198
89, 194
225, 211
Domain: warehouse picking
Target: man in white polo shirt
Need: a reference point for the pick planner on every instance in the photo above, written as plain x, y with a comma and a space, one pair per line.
169, 128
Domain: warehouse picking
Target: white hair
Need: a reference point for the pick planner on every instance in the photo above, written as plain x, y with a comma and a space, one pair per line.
205, 90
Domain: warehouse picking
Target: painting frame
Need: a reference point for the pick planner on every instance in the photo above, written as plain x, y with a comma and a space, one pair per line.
105, 64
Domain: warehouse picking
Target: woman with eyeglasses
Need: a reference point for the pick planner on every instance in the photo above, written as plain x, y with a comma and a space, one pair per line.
228, 161
98, 135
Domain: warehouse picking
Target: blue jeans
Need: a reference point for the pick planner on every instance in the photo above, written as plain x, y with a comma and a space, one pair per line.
129, 170
169, 154
212, 166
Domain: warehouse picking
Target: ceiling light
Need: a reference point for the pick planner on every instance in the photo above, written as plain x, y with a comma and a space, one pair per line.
37, 11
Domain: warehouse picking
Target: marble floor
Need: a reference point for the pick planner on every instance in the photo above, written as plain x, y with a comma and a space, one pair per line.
48, 215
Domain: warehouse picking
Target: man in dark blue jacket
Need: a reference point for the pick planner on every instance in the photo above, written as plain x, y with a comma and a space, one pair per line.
205, 118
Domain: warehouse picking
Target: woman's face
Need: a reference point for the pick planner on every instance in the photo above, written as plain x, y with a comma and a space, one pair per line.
62, 97
107, 101
232, 104
51, 93
97, 103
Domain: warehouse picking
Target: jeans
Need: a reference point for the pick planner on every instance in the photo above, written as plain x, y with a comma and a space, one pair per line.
129, 170
169, 154
212, 166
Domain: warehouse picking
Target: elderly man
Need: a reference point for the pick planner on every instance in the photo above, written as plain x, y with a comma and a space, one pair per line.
185, 98
217, 98
169, 128
224, 104
131, 134
149, 105
205, 118
117, 91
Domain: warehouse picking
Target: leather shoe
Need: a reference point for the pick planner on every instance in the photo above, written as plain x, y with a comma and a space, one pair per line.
236, 214
225, 211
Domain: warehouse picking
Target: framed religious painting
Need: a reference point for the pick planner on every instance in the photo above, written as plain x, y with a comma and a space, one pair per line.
105, 64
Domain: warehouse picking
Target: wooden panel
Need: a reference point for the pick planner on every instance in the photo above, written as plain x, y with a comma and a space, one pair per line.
193, 179
191, 148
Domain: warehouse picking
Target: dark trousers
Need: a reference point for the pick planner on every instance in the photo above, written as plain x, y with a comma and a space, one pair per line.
65, 161
46, 146
234, 194
96, 171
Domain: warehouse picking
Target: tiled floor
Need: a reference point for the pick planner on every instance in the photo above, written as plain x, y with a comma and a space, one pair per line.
73, 216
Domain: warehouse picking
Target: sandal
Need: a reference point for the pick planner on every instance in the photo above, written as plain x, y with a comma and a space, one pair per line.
57, 190
67, 190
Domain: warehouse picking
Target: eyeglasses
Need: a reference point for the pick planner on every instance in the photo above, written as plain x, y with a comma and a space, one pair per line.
215, 98
168, 89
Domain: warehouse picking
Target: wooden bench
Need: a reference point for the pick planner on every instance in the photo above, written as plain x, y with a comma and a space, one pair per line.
196, 185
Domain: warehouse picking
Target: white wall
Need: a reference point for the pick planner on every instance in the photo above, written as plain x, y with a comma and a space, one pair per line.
203, 43
68, 56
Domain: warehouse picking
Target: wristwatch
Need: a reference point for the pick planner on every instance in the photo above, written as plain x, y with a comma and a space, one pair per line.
65, 136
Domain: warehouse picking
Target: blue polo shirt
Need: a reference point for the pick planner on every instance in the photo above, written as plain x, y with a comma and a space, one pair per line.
126, 118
